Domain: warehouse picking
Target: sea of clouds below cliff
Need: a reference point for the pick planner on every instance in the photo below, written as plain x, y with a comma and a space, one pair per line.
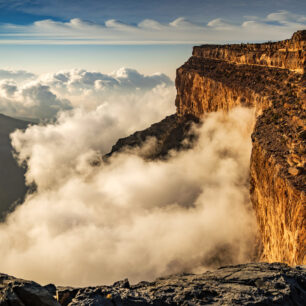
128, 218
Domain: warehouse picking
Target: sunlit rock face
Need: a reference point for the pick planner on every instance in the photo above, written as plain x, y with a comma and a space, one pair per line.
271, 78
287, 54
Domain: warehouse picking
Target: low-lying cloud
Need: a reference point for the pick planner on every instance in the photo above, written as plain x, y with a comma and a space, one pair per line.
31, 100
125, 90
129, 217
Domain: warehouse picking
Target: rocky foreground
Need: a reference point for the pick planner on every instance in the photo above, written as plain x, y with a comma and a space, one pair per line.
246, 284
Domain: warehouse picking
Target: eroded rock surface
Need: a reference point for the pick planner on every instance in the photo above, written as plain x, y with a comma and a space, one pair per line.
283, 54
247, 284
18, 292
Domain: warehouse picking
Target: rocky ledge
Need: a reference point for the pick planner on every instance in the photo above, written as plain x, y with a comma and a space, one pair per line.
247, 284
172, 133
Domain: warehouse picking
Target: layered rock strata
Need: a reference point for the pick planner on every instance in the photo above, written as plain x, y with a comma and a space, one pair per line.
287, 54
269, 77
248, 284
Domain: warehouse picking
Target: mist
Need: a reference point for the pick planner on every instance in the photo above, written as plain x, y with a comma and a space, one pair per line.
128, 217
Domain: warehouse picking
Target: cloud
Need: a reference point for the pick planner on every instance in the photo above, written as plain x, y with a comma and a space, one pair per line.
19, 75
49, 94
275, 26
285, 17
32, 100
121, 79
150, 24
129, 217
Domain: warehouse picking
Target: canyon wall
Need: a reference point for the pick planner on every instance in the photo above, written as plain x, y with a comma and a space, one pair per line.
271, 78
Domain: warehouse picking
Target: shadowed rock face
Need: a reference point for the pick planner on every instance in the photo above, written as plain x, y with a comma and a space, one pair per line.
172, 133
18, 292
12, 185
271, 78
248, 284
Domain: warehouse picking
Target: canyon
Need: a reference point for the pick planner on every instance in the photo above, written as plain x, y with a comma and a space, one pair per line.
269, 77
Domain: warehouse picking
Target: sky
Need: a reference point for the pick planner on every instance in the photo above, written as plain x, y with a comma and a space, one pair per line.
150, 36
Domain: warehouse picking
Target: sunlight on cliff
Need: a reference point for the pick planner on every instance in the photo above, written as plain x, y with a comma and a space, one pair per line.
130, 217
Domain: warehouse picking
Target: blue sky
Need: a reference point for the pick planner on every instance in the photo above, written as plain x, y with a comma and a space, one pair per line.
43, 35
133, 11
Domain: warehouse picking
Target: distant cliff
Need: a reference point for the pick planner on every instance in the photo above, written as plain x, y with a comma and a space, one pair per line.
12, 185
270, 77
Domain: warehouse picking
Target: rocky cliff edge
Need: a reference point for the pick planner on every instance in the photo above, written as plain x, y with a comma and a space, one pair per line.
247, 284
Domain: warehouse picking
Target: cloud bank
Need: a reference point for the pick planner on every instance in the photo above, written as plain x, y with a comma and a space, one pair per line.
275, 26
129, 217
32, 100
124, 91
19, 75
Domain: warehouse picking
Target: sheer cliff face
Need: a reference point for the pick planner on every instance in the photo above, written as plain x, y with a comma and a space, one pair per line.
271, 78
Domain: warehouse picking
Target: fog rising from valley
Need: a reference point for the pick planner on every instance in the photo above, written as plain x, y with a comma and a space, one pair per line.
129, 217
92, 224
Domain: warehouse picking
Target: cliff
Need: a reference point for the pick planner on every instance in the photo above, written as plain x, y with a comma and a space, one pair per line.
271, 78
287, 54
12, 185
249, 284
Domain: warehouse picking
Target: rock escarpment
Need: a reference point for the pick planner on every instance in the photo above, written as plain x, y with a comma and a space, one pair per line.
286, 54
271, 78
248, 284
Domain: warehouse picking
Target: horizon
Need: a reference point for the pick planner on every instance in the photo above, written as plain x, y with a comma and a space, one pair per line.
49, 36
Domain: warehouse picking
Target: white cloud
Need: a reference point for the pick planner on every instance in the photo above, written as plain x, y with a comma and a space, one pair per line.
150, 24
33, 100
77, 31
285, 17
131, 218
220, 24
124, 89
121, 79
181, 22
19, 75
